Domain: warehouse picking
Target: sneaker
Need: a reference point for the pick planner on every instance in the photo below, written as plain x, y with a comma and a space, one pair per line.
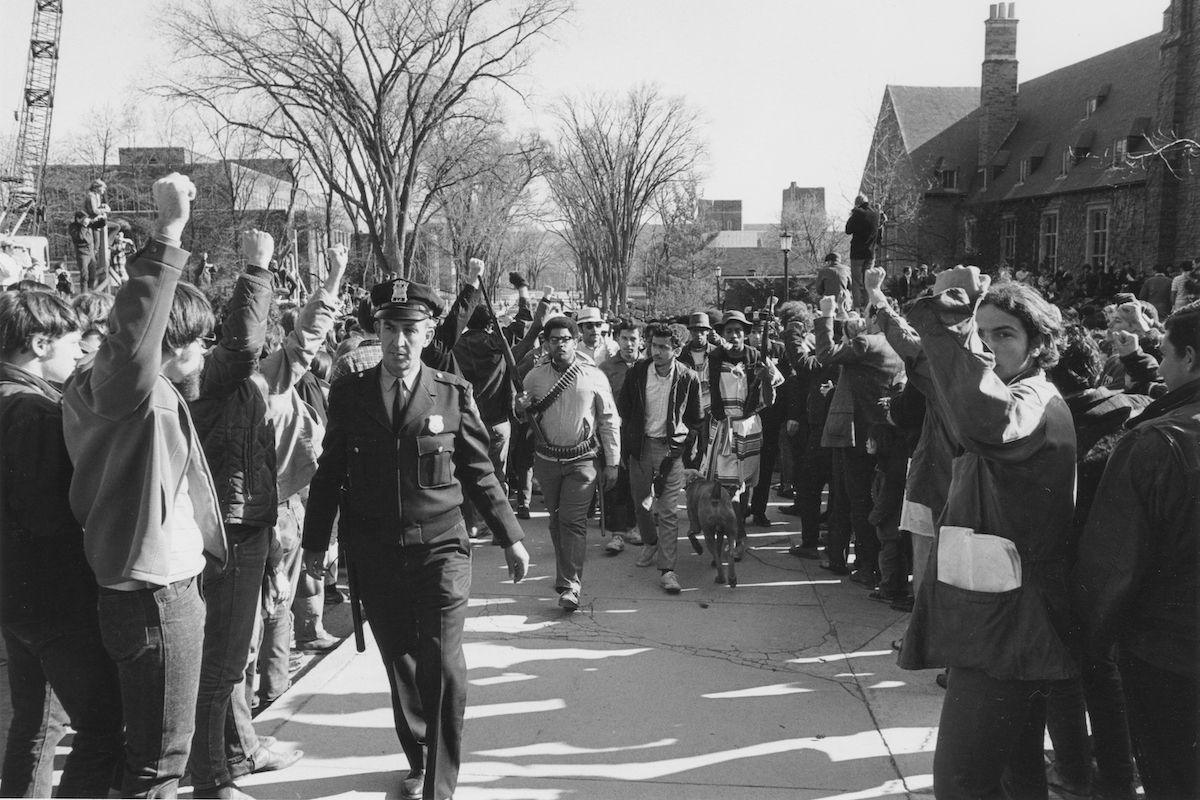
669, 582
616, 545
761, 520
522, 512
569, 600
634, 537
649, 553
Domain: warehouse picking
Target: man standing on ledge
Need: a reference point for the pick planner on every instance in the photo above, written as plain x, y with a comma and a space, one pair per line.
403, 445
863, 230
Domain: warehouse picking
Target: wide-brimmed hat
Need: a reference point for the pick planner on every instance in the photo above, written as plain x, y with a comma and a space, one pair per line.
699, 320
734, 316
588, 314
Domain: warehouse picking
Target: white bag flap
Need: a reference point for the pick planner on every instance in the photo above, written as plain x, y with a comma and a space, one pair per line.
979, 562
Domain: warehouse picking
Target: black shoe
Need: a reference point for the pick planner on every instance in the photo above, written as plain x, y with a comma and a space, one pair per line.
786, 491
799, 551
942, 679
333, 596
865, 578
836, 569
790, 511
880, 596
760, 519
904, 603
522, 512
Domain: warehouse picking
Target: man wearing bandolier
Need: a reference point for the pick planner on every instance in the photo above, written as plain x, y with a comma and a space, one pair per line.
405, 442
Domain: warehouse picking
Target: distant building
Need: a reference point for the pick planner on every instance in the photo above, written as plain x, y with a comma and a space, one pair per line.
231, 195
722, 215
1058, 171
799, 201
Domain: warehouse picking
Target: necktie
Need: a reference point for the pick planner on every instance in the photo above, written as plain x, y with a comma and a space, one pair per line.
398, 403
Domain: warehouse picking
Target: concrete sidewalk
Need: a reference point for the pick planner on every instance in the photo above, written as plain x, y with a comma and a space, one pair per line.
785, 687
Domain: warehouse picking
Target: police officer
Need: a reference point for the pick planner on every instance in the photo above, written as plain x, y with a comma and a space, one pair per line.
404, 443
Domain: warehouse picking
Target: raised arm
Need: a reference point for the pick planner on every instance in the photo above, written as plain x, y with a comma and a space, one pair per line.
128, 361
989, 417
284, 368
244, 329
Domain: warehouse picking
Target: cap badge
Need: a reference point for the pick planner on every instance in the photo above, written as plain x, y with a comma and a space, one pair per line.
435, 424
400, 291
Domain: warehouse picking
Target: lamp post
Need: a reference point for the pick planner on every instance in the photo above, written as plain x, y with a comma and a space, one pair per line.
785, 244
718, 286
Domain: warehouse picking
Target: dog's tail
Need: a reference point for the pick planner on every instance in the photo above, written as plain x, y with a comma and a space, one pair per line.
716, 493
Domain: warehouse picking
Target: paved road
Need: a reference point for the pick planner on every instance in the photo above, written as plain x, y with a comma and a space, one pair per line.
785, 687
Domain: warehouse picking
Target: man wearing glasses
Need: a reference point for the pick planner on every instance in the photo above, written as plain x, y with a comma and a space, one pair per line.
570, 407
595, 345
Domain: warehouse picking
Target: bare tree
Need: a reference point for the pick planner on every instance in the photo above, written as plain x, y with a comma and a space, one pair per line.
366, 82
105, 128
612, 162
814, 233
678, 267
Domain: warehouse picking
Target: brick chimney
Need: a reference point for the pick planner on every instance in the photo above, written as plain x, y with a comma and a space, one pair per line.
998, 91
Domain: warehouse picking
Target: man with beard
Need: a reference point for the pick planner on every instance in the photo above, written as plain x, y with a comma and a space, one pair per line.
146, 498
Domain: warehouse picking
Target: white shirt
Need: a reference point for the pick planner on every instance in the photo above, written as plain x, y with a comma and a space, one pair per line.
658, 396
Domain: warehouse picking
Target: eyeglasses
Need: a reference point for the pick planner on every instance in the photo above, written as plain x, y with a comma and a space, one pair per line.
560, 339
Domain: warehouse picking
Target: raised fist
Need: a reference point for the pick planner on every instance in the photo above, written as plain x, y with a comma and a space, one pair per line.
1130, 317
1124, 342
969, 279
173, 196
828, 305
257, 247
873, 278
517, 280
475, 269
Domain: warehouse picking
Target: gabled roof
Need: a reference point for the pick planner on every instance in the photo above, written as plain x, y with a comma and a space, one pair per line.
940, 125
925, 111
1052, 116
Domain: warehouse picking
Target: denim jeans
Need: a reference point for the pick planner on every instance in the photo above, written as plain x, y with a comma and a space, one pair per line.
416, 600
659, 525
989, 725
1163, 719
232, 601
273, 638
567, 488
156, 636
58, 670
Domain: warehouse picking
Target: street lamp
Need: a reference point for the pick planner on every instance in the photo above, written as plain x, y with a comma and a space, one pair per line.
718, 286
785, 244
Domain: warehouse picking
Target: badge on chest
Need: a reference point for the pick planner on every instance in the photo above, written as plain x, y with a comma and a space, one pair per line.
436, 424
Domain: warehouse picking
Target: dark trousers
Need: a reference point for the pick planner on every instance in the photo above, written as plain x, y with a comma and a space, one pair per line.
58, 670
895, 556
520, 458
853, 471
1163, 720
156, 636
772, 425
619, 512
1097, 694
223, 729
416, 600
815, 473
988, 726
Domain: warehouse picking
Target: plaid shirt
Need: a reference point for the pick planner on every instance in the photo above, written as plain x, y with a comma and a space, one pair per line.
368, 353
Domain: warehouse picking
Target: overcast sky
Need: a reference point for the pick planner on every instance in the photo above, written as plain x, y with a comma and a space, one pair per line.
788, 89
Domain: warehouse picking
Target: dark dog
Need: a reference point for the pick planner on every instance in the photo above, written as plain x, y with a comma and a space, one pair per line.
710, 510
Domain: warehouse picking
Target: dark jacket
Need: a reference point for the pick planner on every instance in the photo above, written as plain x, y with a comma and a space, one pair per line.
863, 229
480, 358
231, 411
683, 405
801, 351
440, 353
870, 369
44, 573
1137, 580
407, 490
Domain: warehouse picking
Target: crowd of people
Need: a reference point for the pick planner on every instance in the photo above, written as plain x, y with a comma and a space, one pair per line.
177, 489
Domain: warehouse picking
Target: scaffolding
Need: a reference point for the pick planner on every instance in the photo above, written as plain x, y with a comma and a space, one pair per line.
26, 173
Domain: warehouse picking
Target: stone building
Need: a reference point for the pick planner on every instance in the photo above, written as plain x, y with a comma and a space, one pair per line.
1073, 167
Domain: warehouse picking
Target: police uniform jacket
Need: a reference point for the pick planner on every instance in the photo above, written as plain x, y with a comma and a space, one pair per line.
407, 489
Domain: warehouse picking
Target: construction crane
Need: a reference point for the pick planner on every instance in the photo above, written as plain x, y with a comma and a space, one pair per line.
28, 169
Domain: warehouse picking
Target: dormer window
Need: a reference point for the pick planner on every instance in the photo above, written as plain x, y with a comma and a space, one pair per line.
1095, 100
1120, 149
1025, 168
949, 179
1068, 160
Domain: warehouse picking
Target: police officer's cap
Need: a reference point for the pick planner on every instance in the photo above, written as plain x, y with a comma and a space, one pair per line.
403, 299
